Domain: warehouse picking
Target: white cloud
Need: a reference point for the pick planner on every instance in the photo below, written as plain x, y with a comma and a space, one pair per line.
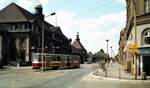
121, 1
30, 4
4, 3
27, 4
93, 31
43, 2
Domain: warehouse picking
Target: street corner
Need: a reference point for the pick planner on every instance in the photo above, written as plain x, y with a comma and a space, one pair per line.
117, 79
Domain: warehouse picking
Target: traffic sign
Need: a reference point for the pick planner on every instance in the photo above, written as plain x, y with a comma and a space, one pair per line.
134, 48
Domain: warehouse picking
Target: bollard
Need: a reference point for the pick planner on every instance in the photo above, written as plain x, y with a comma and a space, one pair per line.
106, 72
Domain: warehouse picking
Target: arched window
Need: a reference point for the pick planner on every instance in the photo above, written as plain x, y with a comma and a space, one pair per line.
146, 37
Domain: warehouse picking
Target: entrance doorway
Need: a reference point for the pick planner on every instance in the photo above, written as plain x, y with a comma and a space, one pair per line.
146, 64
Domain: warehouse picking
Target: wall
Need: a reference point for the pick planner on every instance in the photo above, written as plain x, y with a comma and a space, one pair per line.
0, 51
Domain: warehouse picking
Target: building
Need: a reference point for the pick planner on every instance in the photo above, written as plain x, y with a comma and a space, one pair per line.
125, 54
78, 49
137, 31
21, 35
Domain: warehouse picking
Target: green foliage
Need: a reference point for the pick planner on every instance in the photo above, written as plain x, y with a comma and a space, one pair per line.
117, 57
100, 56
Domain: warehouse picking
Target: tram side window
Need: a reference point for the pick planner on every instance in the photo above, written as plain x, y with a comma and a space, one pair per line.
53, 58
58, 58
66, 58
39, 59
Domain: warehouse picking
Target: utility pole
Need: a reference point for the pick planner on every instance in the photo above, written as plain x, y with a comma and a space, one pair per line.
107, 49
42, 56
43, 47
111, 51
135, 41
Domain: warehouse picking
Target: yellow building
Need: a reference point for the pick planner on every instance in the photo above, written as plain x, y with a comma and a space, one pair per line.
137, 31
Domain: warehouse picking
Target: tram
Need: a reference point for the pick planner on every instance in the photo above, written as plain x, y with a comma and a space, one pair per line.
55, 61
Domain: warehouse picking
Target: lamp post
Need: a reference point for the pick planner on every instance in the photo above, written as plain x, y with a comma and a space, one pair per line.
135, 41
43, 28
52, 14
42, 56
107, 48
110, 51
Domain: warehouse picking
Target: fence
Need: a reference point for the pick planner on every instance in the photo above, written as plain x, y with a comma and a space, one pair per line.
113, 70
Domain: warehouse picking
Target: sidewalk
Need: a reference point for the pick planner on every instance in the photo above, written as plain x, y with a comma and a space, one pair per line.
115, 71
16, 69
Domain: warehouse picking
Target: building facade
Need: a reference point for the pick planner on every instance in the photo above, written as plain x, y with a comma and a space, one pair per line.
137, 31
21, 35
78, 49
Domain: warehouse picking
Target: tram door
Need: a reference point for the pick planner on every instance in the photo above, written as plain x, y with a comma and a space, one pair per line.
146, 64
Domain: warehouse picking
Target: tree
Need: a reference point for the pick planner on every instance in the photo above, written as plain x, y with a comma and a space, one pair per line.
90, 57
100, 56
117, 57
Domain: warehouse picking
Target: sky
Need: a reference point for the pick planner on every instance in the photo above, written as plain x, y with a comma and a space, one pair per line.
95, 20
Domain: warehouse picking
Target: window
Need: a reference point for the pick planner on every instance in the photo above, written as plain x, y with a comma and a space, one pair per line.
13, 27
146, 37
23, 26
147, 6
26, 26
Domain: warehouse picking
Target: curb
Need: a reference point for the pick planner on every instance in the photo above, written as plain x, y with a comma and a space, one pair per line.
115, 79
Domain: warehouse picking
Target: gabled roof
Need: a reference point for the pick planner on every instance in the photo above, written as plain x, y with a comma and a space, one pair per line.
15, 13
77, 44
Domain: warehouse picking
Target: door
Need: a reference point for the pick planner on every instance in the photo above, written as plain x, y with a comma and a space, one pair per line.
146, 64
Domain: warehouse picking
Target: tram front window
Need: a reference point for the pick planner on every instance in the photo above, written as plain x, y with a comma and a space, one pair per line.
36, 57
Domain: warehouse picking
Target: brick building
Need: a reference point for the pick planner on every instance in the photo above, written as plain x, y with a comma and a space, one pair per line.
78, 49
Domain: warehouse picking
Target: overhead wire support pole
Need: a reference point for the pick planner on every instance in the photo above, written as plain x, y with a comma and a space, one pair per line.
107, 50
135, 41
56, 19
42, 46
135, 62
43, 33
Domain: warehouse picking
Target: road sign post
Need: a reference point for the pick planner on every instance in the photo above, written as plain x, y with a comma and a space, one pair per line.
134, 49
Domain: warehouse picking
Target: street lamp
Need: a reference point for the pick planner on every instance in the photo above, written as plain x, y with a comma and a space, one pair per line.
42, 56
135, 41
107, 48
110, 51
43, 28
52, 14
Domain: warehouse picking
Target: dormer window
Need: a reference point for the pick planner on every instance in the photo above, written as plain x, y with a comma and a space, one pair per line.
146, 37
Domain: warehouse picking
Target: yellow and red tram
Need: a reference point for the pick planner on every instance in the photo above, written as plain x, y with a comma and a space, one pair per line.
59, 61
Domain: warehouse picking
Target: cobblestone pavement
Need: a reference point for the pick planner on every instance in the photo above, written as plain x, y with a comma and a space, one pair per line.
115, 70
72, 78
90, 82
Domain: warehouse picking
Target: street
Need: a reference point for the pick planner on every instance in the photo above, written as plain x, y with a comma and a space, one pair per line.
72, 78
